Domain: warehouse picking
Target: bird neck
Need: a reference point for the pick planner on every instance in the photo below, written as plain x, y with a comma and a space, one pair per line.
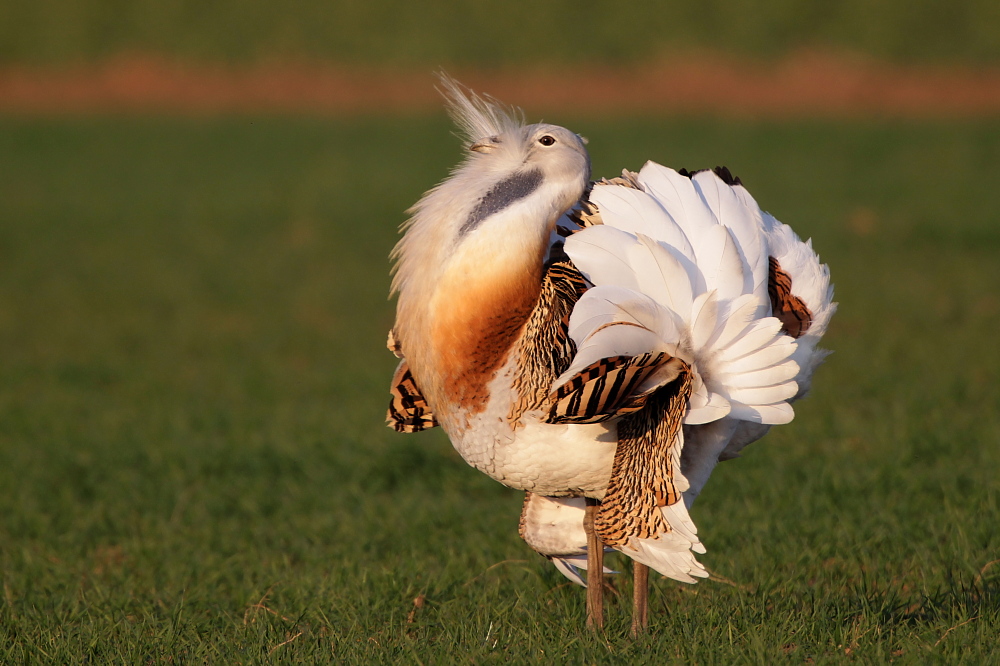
475, 313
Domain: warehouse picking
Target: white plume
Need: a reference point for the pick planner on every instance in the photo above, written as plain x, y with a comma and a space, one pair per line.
478, 116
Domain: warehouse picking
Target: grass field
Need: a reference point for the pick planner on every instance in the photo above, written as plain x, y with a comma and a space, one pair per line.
193, 381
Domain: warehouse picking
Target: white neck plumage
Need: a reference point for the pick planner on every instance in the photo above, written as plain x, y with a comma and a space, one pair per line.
458, 319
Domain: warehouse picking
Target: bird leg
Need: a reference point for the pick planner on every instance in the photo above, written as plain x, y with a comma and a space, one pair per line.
595, 568
640, 598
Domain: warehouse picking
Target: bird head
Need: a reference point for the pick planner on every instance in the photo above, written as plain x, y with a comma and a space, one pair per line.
558, 155
531, 172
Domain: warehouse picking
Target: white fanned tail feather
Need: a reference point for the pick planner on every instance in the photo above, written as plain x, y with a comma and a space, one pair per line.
811, 283
671, 273
681, 266
672, 553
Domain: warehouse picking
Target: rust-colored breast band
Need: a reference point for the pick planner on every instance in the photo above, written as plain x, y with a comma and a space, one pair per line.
474, 339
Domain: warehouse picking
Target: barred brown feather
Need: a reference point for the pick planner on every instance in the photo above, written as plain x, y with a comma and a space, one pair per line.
605, 390
795, 317
545, 350
408, 410
642, 477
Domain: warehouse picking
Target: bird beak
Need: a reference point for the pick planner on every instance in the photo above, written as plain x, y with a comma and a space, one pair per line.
485, 145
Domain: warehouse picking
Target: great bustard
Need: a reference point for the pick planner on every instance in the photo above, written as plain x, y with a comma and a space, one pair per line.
600, 346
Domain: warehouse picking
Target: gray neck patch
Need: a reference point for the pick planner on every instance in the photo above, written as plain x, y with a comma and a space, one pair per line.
512, 188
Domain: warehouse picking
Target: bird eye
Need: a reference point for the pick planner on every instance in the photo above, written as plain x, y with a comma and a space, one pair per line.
546, 140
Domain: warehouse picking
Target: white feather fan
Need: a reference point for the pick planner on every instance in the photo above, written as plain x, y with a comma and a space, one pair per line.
682, 266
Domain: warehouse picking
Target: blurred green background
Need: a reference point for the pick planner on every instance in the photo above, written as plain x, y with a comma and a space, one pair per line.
513, 32
192, 451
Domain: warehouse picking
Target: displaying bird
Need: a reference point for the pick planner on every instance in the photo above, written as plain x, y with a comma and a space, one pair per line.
600, 346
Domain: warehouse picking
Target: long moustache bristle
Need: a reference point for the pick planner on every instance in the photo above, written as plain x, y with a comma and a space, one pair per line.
477, 116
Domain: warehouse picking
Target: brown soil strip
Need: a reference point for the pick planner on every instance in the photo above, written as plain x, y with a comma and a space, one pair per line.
807, 85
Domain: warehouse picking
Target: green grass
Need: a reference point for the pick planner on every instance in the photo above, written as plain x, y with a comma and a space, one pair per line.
515, 32
193, 380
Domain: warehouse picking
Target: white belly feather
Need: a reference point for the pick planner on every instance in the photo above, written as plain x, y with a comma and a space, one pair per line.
553, 460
